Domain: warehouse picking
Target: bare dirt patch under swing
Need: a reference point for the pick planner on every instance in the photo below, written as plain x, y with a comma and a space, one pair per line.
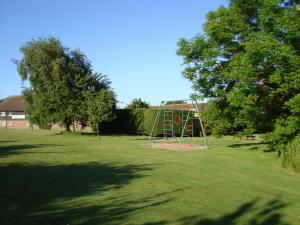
177, 146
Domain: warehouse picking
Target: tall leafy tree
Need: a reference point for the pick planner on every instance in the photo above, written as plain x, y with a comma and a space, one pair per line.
60, 80
247, 63
101, 108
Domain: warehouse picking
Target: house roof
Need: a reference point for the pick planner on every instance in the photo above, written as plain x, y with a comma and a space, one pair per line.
201, 106
13, 103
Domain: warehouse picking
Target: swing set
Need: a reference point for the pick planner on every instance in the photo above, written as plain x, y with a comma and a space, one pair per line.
176, 122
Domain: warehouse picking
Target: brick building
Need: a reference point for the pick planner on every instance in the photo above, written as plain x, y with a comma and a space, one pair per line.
12, 113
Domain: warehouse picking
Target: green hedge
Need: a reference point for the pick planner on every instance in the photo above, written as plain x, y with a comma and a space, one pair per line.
127, 122
140, 121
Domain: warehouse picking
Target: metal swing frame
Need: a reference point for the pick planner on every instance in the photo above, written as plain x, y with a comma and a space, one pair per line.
168, 122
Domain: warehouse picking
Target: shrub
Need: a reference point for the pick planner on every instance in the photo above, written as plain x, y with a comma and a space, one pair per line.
287, 128
291, 155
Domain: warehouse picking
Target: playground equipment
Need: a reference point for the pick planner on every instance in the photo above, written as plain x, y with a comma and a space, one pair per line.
177, 121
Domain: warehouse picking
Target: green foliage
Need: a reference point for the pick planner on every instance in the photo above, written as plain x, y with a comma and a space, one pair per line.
137, 104
149, 118
101, 107
219, 118
127, 121
35, 110
60, 81
291, 155
287, 128
247, 63
175, 102
140, 121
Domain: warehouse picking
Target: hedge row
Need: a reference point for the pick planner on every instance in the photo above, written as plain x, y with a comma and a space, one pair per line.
140, 121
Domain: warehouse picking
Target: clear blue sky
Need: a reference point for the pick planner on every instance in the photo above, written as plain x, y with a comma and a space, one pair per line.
134, 42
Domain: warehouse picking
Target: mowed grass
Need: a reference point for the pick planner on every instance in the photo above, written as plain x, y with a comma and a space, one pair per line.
47, 178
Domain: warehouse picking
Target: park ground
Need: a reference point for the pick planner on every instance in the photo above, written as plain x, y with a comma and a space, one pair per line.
52, 178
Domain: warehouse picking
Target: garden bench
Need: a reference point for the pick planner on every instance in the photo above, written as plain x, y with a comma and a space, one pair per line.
250, 136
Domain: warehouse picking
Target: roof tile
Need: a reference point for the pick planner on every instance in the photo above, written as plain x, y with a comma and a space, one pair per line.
13, 103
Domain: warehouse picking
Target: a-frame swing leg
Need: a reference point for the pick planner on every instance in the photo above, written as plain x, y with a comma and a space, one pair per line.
154, 127
202, 127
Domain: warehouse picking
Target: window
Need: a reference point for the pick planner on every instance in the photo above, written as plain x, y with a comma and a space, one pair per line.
18, 117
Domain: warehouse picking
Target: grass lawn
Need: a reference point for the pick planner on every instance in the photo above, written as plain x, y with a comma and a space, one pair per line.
54, 179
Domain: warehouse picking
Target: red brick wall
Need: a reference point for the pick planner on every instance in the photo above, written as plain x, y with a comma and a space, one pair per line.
24, 124
15, 124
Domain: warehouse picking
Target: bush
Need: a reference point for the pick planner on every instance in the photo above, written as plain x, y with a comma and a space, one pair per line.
291, 155
287, 128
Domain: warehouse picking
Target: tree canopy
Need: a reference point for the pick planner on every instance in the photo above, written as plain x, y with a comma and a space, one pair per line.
101, 107
137, 103
247, 63
60, 81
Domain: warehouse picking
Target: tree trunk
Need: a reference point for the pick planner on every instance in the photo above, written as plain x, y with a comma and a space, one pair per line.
67, 124
98, 131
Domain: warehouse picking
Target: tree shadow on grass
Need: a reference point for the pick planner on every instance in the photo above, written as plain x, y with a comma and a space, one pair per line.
19, 149
90, 133
249, 213
37, 194
76, 133
7, 141
116, 210
145, 138
85, 194
240, 145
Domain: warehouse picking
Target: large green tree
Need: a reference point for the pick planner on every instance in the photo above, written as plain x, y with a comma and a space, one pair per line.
60, 80
247, 63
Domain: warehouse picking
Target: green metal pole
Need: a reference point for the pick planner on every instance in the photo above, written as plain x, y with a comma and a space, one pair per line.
185, 124
153, 130
202, 128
